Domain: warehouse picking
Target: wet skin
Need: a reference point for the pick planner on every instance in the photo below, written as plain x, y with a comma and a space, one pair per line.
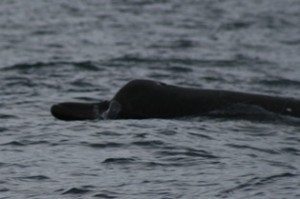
142, 99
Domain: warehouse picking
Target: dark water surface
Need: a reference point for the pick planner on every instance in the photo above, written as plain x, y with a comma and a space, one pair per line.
54, 51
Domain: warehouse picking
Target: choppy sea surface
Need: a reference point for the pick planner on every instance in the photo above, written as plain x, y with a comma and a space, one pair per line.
55, 51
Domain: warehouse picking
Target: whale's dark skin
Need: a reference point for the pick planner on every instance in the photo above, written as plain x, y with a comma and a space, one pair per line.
142, 99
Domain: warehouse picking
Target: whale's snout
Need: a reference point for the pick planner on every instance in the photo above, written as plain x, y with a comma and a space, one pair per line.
69, 111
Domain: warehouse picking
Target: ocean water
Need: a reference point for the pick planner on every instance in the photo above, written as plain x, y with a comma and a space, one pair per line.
55, 51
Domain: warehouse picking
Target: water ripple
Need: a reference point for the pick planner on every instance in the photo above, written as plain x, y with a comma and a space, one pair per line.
119, 160
236, 61
187, 153
256, 182
280, 82
149, 143
33, 178
22, 143
291, 150
76, 191
7, 116
86, 65
103, 195
265, 150
103, 145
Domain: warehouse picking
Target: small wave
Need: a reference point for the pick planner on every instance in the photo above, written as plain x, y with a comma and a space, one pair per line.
7, 116
237, 61
188, 153
14, 143
280, 164
180, 44
11, 81
165, 164
291, 150
2, 129
201, 135
86, 65
254, 182
104, 145
107, 194
2, 189
25, 143
281, 82
276, 23
34, 178
184, 43
76, 191
168, 132
293, 42
236, 25
119, 160
28, 66
178, 69
269, 151
2, 164
149, 143
103, 195
82, 83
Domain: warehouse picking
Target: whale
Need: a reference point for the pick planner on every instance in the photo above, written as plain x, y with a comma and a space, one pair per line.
145, 99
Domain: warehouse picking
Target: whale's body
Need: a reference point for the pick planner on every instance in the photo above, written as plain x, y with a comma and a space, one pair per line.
142, 99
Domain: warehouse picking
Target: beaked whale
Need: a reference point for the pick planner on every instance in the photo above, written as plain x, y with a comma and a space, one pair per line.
142, 99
